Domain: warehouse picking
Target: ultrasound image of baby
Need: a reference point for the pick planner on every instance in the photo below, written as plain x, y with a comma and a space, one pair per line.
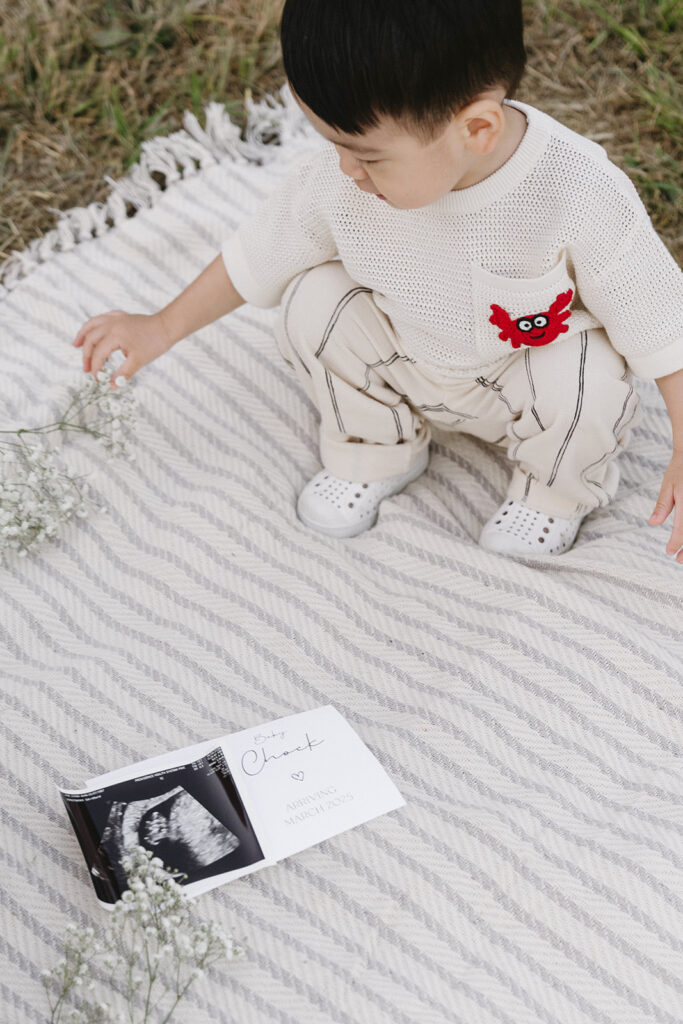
174, 826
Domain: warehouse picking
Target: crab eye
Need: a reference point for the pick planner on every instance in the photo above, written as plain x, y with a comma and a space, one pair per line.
524, 324
541, 320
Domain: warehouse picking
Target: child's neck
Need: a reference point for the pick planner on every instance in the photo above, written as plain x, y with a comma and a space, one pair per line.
513, 133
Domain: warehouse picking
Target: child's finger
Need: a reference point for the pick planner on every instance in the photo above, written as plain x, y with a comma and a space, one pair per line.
125, 371
82, 334
663, 506
90, 346
676, 538
84, 329
94, 321
104, 350
85, 335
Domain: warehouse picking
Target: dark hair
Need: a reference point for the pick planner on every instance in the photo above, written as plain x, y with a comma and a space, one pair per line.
417, 61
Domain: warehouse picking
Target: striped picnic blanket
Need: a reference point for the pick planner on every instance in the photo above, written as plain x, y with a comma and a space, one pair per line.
531, 714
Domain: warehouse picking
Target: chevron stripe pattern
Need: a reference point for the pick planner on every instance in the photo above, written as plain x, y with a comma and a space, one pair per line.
531, 715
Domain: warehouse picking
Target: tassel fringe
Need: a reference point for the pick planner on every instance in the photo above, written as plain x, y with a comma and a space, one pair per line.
271, 123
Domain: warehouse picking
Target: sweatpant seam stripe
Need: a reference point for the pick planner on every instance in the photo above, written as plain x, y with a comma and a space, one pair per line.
397, 418
498, 392
338, 310
577, 412
333, 399
619, 422
527, 364
382, 362
285, 321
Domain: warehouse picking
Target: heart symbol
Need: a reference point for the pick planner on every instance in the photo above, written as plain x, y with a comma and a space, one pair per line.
299, 776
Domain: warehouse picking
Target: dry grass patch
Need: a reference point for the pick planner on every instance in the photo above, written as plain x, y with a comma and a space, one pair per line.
83, 84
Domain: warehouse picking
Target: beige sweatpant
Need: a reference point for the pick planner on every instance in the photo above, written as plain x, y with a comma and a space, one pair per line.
562, 411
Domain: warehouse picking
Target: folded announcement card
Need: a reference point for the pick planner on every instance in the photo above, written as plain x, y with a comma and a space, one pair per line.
226, 807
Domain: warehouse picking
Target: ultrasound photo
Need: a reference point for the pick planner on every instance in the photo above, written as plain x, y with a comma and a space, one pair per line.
173, 826
190, 817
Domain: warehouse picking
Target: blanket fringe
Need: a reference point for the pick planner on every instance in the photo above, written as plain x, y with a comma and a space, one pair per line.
271, 123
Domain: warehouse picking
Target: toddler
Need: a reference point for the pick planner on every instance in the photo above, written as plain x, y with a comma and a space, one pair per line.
453, 257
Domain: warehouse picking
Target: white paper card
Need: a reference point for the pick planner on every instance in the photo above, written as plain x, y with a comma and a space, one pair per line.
307, 777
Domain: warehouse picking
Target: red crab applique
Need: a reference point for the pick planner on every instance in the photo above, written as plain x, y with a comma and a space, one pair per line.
536, 328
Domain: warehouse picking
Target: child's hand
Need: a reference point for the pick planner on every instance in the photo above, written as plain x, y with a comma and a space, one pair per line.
671, 497
140, 337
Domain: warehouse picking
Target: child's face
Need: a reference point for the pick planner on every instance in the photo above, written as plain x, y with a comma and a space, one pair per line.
392, 163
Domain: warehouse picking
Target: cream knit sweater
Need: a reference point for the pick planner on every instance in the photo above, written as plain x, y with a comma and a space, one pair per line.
557, 234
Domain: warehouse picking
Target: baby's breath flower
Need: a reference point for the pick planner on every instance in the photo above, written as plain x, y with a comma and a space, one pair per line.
153, 945
38, 494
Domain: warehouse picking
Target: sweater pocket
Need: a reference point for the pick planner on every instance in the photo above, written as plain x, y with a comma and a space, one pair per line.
511, 312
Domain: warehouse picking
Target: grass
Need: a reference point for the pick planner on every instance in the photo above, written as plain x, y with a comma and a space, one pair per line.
83, 84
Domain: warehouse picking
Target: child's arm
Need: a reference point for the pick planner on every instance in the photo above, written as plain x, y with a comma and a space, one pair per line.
671, 492
142, 337
209, 297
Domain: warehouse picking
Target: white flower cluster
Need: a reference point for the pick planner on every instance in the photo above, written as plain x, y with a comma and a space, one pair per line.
36, 495
37, 492
68, 983
107, 413
148, 959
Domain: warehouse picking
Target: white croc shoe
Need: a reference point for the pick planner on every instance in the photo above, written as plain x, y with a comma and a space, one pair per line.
516, 529
343, 508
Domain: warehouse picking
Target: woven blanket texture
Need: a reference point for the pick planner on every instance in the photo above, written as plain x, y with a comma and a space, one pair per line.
530, 714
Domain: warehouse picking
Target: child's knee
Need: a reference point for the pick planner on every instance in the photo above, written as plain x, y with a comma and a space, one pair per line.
609, 392
309, 305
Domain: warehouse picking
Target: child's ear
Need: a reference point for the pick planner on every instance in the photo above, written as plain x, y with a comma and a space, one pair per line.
482, 123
